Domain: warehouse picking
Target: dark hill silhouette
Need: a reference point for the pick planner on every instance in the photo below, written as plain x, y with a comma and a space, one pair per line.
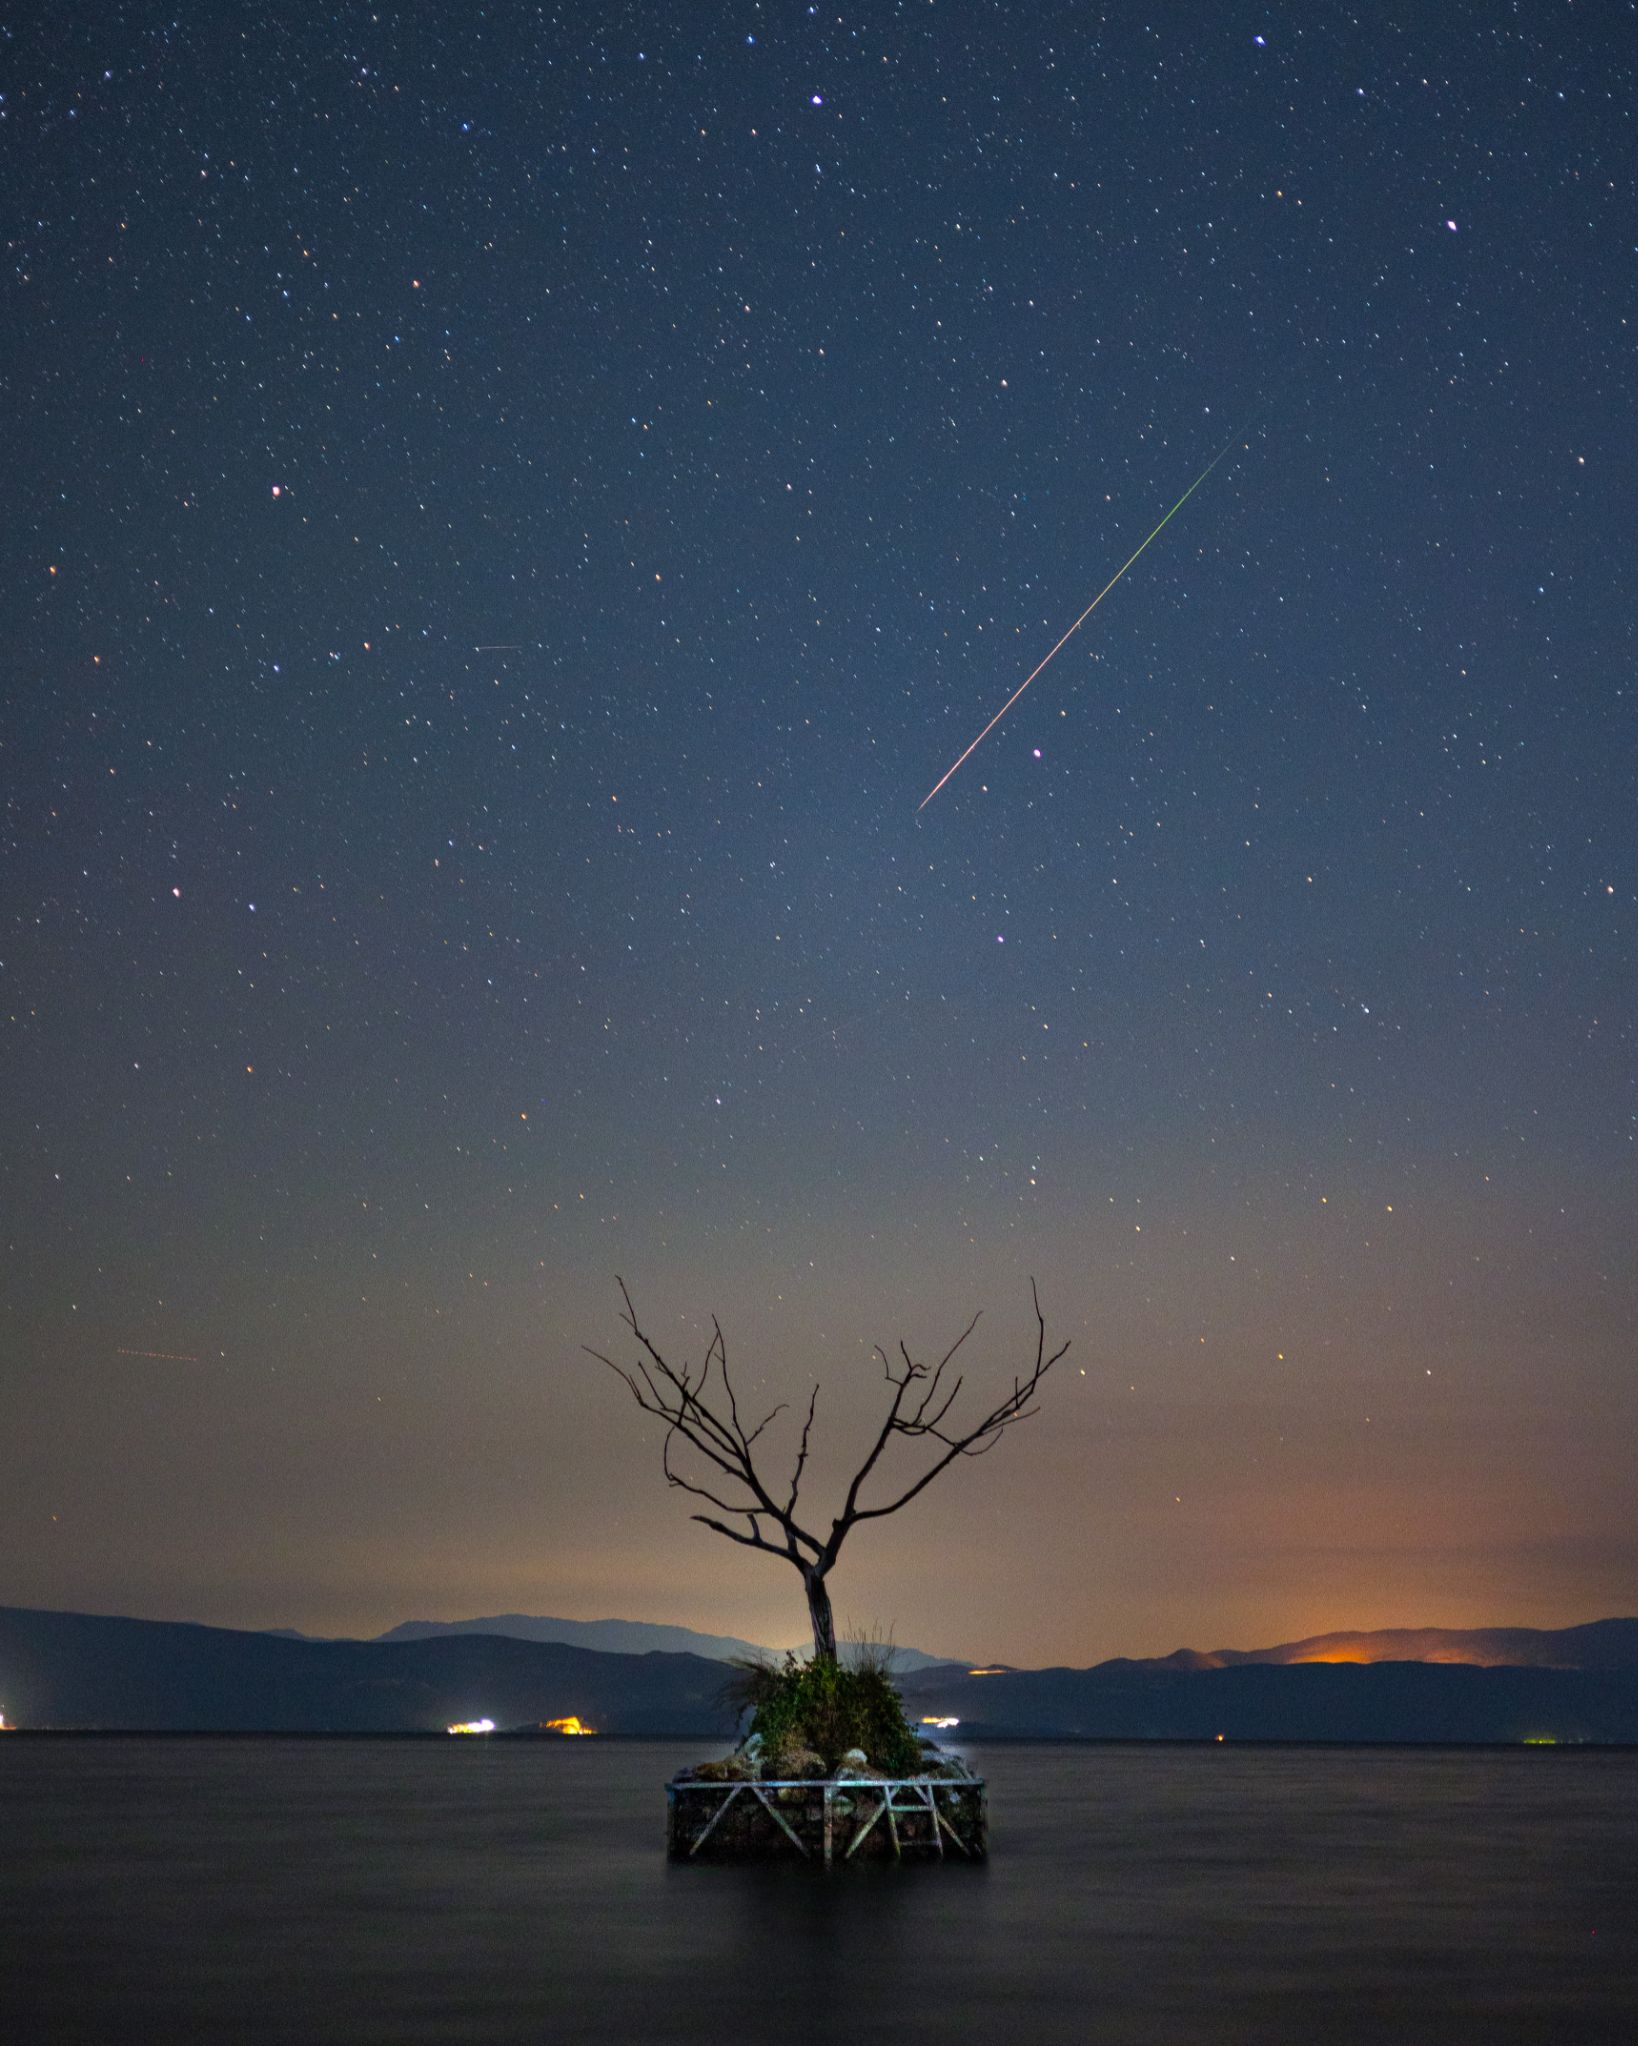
1380, 1701
1422, 1684
1602, 1644
623, 1637
80, 1670
610, 1637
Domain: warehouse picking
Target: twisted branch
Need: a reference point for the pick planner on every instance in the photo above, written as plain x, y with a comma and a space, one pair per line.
917, 1410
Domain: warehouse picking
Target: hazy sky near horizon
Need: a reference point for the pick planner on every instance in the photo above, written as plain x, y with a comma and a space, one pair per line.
509, 512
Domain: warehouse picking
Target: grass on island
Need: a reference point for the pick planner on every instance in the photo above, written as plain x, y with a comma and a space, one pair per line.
806, 1717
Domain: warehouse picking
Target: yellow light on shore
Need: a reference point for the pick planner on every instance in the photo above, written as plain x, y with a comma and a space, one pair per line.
569, 1725
473, 1726
949, 1719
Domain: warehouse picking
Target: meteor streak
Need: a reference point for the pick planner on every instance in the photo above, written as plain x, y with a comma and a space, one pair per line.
1079, 622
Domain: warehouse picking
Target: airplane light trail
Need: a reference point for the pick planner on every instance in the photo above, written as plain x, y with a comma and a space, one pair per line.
1079, 622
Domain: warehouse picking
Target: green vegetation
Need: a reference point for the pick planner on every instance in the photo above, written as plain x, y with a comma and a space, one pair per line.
814, 1713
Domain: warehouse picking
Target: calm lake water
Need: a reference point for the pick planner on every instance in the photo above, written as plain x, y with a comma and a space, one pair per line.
315, 1891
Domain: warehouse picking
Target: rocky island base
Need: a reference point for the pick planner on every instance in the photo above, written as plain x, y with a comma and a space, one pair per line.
830, 1771
747, 1809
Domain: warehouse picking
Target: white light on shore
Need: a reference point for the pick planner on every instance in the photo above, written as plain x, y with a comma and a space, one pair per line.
473, 1726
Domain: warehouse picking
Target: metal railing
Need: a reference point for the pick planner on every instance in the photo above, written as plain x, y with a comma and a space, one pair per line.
921, 1813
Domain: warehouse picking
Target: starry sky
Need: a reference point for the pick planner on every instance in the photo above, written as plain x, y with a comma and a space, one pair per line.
508, 512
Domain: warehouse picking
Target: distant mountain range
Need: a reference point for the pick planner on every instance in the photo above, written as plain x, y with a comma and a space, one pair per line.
81, 1670
1603, 1644
626, 1637
1379, 1701
1419, 1684
84, 1670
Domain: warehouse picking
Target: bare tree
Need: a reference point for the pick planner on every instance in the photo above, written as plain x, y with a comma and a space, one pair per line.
704, 1417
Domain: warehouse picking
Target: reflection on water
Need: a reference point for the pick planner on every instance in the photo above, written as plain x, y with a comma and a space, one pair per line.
315, 1891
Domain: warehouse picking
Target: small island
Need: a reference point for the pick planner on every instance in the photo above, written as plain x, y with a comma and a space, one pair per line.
829, 1769
830, 1766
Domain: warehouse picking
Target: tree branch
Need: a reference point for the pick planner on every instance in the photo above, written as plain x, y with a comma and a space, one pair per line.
678, 1398
802, 1453
751, 1541
975, 1442
919, 1408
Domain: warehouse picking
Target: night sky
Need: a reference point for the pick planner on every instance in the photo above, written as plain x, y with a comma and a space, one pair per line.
509, 510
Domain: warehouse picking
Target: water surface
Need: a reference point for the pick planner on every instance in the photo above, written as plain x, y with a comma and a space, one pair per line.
316, 1891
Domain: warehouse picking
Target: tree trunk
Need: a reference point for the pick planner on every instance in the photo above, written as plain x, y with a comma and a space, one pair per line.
824, 1626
